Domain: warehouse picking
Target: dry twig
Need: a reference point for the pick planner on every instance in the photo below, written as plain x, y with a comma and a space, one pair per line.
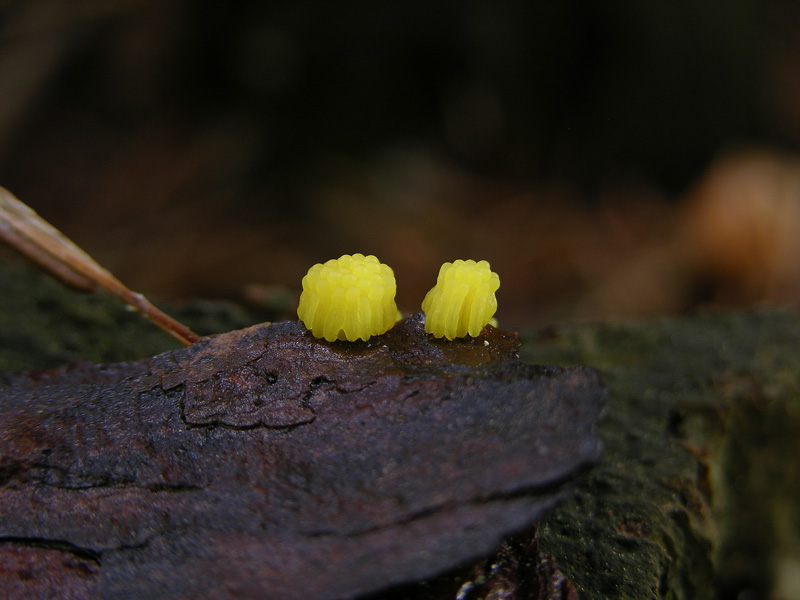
34, 237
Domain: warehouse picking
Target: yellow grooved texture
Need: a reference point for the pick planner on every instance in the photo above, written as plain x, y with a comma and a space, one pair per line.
348, 298
463, 300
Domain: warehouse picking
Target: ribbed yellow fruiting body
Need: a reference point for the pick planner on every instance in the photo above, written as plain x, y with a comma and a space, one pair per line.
348, 298
462, 301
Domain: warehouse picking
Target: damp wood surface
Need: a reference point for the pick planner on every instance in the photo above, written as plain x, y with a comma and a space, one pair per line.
694, 495
263, 462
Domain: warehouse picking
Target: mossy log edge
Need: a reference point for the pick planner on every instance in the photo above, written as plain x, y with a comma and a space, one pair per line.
695, 494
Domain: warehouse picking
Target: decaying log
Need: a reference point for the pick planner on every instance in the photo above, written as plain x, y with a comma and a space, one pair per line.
265, 463
695, 494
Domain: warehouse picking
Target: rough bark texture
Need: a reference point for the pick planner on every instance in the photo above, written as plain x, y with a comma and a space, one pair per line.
265, 463
696, 493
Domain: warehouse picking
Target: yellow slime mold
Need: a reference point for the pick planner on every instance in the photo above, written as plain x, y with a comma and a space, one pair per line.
348, 298
463, 300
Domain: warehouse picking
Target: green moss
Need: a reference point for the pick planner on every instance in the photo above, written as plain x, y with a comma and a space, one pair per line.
680, 506
44, 324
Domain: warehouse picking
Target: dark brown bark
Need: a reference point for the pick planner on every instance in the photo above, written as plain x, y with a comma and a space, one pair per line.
695, 494
265, 463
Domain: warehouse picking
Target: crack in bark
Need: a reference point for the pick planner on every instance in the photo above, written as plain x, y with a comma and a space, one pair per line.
51, 544
550, 492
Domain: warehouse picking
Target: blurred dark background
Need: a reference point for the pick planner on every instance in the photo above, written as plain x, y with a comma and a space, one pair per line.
608, 159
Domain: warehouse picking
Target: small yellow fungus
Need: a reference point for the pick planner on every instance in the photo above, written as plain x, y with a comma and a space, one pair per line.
462, 301
348, 298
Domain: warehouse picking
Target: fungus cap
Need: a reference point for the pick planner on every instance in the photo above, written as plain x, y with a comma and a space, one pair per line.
462, 301
348, 298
